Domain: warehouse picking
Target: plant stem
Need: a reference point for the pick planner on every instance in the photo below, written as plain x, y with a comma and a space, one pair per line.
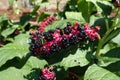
100, 44
109, 30
101, 41
107, 24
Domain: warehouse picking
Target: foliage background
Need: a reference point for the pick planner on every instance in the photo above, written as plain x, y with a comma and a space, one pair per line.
16, 61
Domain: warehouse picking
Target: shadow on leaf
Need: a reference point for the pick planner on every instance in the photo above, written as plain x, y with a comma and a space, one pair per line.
15, 62
114, 67
57, 57
33, 75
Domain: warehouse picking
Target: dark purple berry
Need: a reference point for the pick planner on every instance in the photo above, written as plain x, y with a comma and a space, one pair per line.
67, 30
54, 47
65, 42
39, 34
38, 43
32, 40
47, 43
82, 35
80, 28
73, 39
32, 47
51, 31
48, 36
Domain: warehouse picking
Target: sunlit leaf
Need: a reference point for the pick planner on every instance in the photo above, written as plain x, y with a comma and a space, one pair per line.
75, 15
30, 70
95, 72
77, 59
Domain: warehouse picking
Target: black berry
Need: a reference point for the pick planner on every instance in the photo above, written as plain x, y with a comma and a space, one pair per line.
67, 30
73, 39
48, 36
65, 42
54, 47
80, 28
82, 35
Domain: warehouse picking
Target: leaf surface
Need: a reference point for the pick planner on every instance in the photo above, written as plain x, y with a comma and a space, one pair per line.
95, 72
77, 59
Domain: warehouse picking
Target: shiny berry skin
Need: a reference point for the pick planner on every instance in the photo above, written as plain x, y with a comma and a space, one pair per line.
53, 41
82, 35
38, 43
54, 47
67, 30
34, 50
32, 47
65, 42
80, 28
48, 36
73, 39
51, 31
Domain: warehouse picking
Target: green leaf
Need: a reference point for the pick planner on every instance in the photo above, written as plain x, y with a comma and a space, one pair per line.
117, 39
105, 6
113, 53
105, 49
59, 24
11, 74
95, 3
86, 8
95, 72
8, 31
72, 5
10, 51
112, 35
102, 5
22, 39
105, 61
77, 59
114, 67
93, 19
75, 15
11, 2
3, 18
34, 62
101, 22
110, 56
36, 7
30, 70
24, 20
42, 16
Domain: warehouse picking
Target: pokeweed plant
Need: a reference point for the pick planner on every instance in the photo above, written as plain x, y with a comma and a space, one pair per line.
83, 45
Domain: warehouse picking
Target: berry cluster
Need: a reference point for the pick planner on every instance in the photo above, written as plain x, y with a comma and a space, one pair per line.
46, 22
47, 43
47, 74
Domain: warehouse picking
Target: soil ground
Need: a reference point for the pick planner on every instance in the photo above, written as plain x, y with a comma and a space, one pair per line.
20, 5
